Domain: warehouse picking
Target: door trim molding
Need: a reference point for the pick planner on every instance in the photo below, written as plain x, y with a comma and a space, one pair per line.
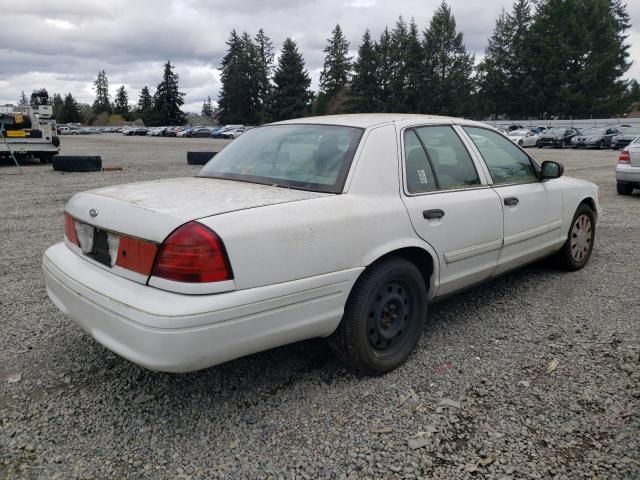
468, 252
533, 233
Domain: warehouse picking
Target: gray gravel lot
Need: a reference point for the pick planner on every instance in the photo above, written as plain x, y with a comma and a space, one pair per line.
479, 398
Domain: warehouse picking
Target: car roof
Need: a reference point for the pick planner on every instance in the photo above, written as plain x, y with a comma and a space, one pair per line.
366, 120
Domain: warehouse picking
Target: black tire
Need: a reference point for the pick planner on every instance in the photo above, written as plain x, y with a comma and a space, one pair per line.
383, 318
199, 158
77, 163
600, 144
520, 142
624, 188
576, 251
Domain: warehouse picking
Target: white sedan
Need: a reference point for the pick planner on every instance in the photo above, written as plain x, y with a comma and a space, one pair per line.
628, 168
524, 138
344, 227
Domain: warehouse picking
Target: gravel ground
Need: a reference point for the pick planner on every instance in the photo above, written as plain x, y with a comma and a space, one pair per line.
534, 375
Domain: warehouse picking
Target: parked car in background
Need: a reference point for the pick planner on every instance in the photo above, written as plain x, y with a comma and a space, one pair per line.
595, 137
185, 132
85, 131
524, 138
539, 129
557, 137
201, 132
140, 131
266, 247
628, 168
628, 135
234, 133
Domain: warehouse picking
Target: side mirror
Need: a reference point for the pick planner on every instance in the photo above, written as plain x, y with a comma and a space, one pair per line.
550, 170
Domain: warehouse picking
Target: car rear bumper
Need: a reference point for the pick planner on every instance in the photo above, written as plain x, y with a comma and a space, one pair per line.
171, 332
627, 174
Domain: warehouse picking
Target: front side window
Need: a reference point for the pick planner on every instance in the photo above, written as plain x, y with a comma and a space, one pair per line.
436, 159
506, 162
303, 156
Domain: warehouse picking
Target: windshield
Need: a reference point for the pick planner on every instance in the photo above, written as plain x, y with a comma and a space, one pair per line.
593, 131
302, 156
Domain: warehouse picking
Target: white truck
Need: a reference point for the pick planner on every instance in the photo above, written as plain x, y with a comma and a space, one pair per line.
28, 132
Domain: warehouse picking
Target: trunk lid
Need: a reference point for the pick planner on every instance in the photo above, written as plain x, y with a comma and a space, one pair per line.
152, 210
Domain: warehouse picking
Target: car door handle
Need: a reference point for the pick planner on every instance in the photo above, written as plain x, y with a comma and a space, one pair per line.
511, 201
432, 214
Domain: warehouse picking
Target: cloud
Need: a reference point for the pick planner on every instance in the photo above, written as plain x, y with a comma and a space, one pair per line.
61, 45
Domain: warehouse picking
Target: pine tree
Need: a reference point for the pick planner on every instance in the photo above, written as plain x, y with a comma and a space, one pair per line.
57, 105
415, 87
397, 100
207, 108
145, 100
518, 25
23, 100
579, 57
101, 86
121, 102
291, 95
365, 91
239, 98
168, 99
335, 74
71, 110
385, 69
449, 68
494, 70
263, 71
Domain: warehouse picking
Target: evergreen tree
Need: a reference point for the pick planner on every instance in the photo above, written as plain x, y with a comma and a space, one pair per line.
239, 98
449, 68
23, 101
385, 69
168, 99
263, 71
495, 68
335, 74
101, 86
57, 105
207, 108
145, 100
365, 91
121, 102
71, 110
576, 57
518, 25
414, 66
397, 100
291, 95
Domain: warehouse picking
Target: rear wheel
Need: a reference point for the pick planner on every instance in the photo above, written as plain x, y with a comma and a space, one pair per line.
624, 188
600, 144
576, 251
383, 318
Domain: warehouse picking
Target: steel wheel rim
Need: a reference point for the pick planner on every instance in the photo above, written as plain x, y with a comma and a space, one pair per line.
581, 238
389, 317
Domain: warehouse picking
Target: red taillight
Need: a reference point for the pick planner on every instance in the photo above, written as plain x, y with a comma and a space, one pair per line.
624, 157
192, 254
70, 229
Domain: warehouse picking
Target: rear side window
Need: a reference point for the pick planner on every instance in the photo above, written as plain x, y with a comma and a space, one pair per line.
436, 159
451, 162
506, 162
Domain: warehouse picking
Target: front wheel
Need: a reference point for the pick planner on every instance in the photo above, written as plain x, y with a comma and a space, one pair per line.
383, 318
576, 251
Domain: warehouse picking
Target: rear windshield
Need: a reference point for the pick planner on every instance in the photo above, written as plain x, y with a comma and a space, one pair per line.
306, 157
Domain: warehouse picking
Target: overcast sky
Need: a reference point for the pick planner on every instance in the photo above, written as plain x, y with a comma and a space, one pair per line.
62, 44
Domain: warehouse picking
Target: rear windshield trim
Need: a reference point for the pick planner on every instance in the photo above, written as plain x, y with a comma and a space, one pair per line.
336, 188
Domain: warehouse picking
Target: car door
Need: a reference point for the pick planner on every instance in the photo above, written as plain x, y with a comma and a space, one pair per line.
532, 209
450, 205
